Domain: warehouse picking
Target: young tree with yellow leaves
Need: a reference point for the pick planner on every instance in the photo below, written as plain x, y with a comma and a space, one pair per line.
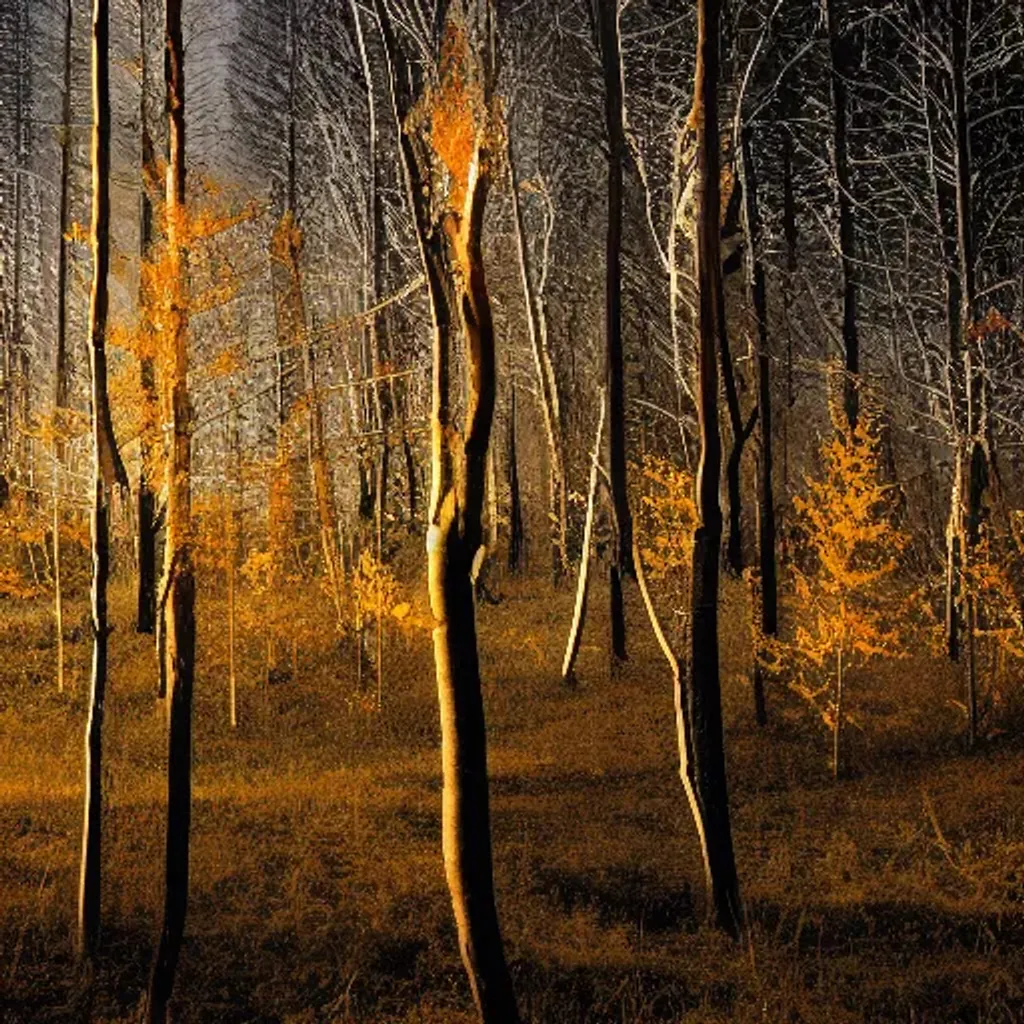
850, 614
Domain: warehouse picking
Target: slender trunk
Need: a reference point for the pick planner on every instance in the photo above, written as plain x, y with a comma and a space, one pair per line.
107, 469
705, 704
620, 563
684, 729
448, 231
972, 671
410, 477
767, 585
145, 616
516, 542
547, 384
842, 65
180, 575
837, 729
789, 226
61, 360
579, 615
58, 593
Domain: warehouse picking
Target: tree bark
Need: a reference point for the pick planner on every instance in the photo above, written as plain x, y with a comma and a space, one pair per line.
572, 647
448, 229
536, 322
705, 705
179, 580
107, 471
621, 561
516, 540
840, 52
768, 586
148, 527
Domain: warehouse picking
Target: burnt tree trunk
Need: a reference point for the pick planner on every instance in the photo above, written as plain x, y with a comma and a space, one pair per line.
622, 553
705, 704
179, 574
767, 583
841, 67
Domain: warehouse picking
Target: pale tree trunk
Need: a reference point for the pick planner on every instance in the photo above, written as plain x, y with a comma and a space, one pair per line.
179, 581
449, 227
621, 561
516, 531
107, 470
60, 396
579, 615
536, 322
705, 703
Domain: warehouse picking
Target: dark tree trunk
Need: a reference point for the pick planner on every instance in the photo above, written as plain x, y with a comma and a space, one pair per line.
843, 62
179, 583
622, 555
145, 615
768, 588
107, 471
705, 705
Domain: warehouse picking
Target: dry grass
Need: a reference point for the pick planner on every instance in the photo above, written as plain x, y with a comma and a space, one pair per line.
318, 892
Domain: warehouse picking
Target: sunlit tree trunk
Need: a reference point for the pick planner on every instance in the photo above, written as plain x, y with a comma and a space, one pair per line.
449, 221
179, 574
107, 470
705, 704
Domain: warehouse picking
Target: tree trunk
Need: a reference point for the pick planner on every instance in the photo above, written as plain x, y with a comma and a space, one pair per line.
516, 543
620, 563
579, 615
837, 729
768, 586
148, 527
179, 571
61, 359
547, 384
705, 708
107, 470
448, 229
842, 65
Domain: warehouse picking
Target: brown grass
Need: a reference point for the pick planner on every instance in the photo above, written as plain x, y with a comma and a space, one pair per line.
318, 892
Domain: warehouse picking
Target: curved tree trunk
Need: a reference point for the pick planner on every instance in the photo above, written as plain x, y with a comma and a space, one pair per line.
705, 703
449, 220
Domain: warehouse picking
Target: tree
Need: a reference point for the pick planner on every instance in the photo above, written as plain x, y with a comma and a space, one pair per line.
107, 471
448, 127
851, 611
607, 16
178, 585
705, 703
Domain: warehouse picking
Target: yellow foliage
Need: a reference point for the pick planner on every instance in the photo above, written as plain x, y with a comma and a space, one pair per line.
849, 602
668, 517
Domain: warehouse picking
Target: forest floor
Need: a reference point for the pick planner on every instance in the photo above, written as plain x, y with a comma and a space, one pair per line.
318, 894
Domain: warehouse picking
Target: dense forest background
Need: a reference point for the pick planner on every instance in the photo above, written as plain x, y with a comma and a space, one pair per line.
684, 337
